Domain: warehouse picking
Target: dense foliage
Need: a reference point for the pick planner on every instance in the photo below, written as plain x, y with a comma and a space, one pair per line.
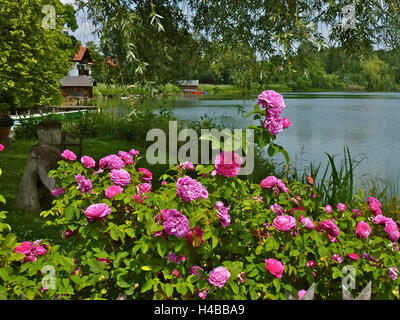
161, 41
33, 58
205, 233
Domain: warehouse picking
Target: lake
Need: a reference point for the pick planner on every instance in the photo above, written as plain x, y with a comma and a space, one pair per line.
369, 123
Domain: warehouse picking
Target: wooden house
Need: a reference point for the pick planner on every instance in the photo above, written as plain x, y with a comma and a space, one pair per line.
189, 85
79, 83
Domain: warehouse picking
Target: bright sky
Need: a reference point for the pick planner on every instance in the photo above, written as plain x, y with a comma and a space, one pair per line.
84, 32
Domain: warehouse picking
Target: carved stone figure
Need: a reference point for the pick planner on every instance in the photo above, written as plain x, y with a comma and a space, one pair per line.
42, 158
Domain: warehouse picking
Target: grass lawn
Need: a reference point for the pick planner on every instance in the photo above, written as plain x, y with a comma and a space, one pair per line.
28, 226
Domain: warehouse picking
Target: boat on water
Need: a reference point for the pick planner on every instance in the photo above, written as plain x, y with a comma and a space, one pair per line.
198, 92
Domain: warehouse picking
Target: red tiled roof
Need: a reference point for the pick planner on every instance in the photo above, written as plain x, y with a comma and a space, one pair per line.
110, 61
80, 54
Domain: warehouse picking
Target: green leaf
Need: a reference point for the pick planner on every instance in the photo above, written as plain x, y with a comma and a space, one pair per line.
214, 242
146, 268
70, 212
114, 234
161, 248
273, 150
234, 287
147, 285
181, 288
168, 290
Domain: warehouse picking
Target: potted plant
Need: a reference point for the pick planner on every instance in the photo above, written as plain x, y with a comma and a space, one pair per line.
6, 122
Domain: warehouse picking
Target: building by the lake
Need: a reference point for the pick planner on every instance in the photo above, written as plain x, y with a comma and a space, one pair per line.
79, 83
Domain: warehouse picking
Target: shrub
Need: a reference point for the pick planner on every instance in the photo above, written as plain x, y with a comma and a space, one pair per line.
215, 236
24, 266
160, 245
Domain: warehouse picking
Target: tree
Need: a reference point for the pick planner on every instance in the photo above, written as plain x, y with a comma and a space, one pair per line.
99, 68
34, 54
260, 28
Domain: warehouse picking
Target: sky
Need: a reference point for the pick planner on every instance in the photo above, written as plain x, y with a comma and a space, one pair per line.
85, 31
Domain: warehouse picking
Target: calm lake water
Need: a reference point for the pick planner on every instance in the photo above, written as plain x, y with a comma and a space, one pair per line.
368, 123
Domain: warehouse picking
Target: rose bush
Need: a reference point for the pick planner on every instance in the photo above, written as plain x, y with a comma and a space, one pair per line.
165, 247
210, 234
24, 266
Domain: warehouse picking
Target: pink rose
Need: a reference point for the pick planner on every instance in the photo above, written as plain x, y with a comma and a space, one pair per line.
175, 272
341, 207
380, 219
374, 205
25, 248
175, 223
133, 152
392, 230
356, 214
83, 184
105, 260
194, 233
219, 276
284, 223
363, 230
307, 223
40, 251
329, 227
276, 208
88, 162
68, 233
147, 175
328, 209
202, 294
301, 293
338, 258
126, 157
120, 177
353, 256
173, 258
270, 98
68, 155
228, 164
1, 147
189, 189
274, 126
393, 273
186, 166
193, 270
269, 182
112, 162
97, 211
275, 267
113, 191
286, 123
281, 185
57, 192
144, 188
224, 217
312, 263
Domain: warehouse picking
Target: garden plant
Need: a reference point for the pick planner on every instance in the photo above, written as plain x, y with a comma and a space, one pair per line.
205, 233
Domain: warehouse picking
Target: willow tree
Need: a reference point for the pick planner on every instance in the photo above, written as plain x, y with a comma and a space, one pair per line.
250, 30
35, 53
